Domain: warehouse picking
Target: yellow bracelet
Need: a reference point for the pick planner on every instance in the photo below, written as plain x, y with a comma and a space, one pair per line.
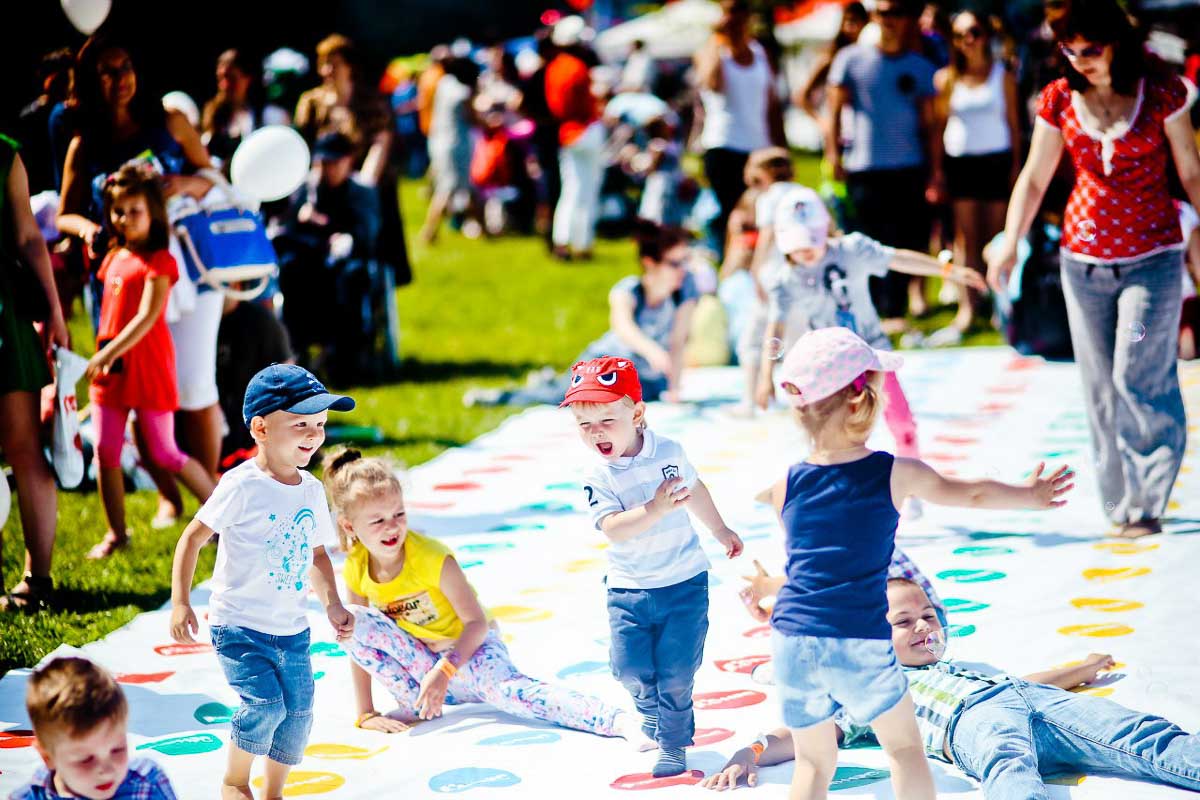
363, 717
448, 669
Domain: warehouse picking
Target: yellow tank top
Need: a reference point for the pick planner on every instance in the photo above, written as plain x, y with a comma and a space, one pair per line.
413, 598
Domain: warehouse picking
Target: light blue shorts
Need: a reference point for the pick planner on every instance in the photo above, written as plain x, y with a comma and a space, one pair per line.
817, 676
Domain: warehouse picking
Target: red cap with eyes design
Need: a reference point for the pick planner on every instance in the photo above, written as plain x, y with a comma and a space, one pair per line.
603, 380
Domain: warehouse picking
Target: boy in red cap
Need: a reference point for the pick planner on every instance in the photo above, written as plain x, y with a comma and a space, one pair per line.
658, 574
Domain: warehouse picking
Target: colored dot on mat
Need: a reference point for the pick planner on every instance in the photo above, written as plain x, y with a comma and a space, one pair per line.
564, 487
979, 550
719, 701
485, 547
521, 738
758, 632
1074, 780
318, 675
331, 649
301, 782
1109, 574
188, 745
459, 486
706, 736
1105, 604
469, 564
987, 536
11, 740
584, 564
183, 649
510, 526
970, 575
959, 631
213, 713
1094, 691
341, 752
143, 677
519, 614
1102, 630
1125, 548
1116, 665
958, 605
744, 665
642, 781
464, 779
853, 777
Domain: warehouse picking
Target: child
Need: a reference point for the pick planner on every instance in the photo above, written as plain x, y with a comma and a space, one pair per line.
79, 713
134, 365
425, 634
274, 524
658, 575
1004, 731
830, 633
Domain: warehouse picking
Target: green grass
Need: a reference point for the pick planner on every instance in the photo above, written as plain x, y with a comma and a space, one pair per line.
479, 313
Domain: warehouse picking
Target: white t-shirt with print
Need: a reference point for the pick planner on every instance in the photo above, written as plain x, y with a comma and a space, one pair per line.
268, 533
669, 552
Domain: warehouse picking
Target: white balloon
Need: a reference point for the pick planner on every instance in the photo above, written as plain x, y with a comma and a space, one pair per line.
86, 15
184, 104
270, 163
5, 499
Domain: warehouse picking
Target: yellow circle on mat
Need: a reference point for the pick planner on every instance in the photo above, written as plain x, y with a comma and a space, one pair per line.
1108, 574
1125, 548
1116, 665
584, 564
1065, 780
1109, 604
305, 782
520, 613
1097, 630
338, 752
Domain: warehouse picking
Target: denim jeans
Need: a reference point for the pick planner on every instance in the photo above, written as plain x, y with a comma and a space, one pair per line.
657, 646
1010, 735
273, 676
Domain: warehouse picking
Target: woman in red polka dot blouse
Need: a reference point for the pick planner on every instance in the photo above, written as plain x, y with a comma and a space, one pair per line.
1119, 115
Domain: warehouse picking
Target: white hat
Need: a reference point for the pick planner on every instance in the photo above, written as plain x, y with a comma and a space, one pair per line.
801, 220
568, 31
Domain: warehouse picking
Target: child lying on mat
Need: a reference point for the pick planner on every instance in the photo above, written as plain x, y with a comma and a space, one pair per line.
1005, 732
425, 636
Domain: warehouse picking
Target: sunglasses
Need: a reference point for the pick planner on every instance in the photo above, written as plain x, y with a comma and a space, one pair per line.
1091, 51
970, 34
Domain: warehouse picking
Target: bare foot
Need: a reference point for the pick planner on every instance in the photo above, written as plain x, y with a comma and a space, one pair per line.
111, 543
1136, 530
236, 792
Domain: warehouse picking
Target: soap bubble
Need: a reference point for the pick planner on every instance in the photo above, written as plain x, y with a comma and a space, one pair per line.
945, 256
1109, 506
1135, 331
1086, 230
935, 643
773, 349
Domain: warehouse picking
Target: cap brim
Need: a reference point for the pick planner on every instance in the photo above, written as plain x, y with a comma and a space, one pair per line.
889, 361
591, 395
789, 240
322, 402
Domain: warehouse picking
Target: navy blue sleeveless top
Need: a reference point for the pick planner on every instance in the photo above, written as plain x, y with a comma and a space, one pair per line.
840, 525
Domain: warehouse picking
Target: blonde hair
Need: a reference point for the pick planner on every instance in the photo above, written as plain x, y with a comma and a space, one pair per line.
72, 696
350, 478
865, 406
625, 400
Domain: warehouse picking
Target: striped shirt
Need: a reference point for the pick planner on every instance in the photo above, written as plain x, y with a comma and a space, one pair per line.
667, 553
144, 781
937, 691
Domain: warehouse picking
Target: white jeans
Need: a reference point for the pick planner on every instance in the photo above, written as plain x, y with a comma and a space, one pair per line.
581, 166
195, 338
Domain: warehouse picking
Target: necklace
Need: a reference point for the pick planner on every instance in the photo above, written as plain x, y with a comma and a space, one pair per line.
1109, 114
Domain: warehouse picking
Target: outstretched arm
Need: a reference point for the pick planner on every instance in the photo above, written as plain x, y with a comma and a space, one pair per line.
1075, 675
913, 477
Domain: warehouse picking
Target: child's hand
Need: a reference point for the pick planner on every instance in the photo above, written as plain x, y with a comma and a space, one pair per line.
1046, 491
730, 541
761, 586
184, 624
670, 495
965, 276
341, 620
99, 364
432, 694
384, 724
660, 360
1096, 663
764, 393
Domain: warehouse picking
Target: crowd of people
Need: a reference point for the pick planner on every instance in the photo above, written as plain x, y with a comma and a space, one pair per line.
939, 133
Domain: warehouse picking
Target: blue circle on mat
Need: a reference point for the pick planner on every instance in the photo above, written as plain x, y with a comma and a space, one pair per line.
522, 738
466, 778
583, 668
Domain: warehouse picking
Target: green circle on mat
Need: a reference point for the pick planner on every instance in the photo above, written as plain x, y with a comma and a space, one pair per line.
853, 777
961, 606
213, 713
982, 550
984, 536
187, 745
959, 631
484, 547
970, 575
326, 649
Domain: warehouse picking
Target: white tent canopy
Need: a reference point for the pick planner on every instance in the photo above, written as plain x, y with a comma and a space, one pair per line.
676, 30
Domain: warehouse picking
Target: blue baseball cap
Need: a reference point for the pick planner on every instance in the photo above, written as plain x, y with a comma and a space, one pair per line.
287, 387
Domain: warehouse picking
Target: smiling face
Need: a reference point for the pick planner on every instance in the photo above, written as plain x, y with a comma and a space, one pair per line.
912, 618
91, 764
289, 439
807, 256
118, 80
970, 36
130, 218
378, 521
611, 430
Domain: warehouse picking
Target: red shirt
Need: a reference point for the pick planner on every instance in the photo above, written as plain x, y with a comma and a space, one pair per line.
1119, 207
569, 97
147, 376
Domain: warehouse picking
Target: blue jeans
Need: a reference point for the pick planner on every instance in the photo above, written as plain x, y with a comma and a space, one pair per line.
657, 646
273, 676
1009, 736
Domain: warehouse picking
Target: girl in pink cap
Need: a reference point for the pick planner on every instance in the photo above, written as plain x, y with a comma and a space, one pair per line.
830, 635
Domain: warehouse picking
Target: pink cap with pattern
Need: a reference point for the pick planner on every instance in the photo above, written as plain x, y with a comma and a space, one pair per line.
823, 362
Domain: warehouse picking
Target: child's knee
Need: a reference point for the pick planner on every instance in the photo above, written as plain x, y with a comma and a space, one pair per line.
167, 455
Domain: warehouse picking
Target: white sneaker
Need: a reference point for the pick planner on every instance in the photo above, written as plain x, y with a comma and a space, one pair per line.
948, 336
912, 509
764, 674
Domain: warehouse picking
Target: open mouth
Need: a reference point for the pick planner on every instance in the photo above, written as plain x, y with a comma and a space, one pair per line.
390, 541
104, 787
605, 448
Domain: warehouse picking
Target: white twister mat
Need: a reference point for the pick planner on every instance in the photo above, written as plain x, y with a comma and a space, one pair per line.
1026, 591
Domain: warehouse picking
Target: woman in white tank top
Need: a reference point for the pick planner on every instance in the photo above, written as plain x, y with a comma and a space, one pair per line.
977, 112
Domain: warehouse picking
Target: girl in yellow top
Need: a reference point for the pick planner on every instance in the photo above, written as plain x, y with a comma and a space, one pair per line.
423, 632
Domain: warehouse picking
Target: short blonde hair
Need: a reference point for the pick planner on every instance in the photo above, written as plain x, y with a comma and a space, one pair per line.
588, 405
350, 477
866, 404
72, 697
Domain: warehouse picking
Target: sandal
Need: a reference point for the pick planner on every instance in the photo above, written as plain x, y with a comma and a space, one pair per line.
36, 596
110, 544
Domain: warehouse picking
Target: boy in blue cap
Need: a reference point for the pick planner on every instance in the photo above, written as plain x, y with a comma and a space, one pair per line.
274, 523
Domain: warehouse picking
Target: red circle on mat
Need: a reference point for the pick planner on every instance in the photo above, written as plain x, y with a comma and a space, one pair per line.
463, 486
745, 665
486, 470
429, 506
706, 736
640, 781
10, 740
960, 440
183, 649
944, 457
994, 408
143, 677
1023, 363
759, 632
718, 701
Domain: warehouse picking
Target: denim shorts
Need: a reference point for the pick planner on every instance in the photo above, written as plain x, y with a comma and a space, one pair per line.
273, 676
818, 676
